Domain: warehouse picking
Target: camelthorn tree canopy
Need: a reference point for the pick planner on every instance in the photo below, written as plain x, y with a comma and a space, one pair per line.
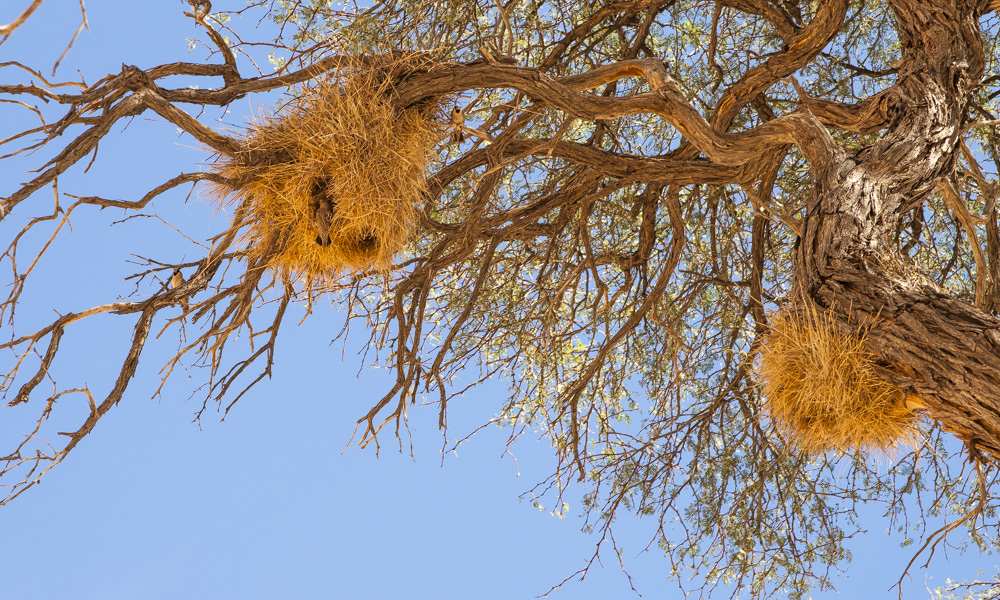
632, 190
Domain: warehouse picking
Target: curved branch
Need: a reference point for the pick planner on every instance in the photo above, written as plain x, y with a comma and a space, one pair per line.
666, 101
802, 48
6, 30
643, 168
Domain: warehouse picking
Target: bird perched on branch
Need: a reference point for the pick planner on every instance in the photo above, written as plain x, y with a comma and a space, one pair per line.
457, 122
322, 220
177, 280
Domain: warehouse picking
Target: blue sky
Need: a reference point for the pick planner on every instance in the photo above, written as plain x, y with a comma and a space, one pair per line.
267, 504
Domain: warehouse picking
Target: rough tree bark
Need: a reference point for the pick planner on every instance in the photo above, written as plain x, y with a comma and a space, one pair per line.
931, 345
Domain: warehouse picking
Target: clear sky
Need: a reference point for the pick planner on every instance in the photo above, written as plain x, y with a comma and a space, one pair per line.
267, 504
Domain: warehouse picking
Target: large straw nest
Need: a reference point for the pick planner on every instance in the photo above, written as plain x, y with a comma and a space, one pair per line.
344, 141
822, 389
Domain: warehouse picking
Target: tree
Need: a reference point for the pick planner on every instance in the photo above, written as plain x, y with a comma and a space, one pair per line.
635, 188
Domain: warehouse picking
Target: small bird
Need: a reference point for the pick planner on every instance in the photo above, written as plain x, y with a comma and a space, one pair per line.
457, 121
176, 280
322, 220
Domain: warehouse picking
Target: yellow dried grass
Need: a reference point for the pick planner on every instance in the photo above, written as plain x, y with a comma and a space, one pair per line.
349, 142
822, 390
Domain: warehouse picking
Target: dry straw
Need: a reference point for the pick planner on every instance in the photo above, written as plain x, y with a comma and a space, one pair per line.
330, 184
822, 389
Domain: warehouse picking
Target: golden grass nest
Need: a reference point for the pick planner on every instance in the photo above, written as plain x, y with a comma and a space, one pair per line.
822, 390
343, 141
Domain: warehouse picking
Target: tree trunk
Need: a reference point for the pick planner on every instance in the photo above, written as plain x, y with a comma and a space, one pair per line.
930, 345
